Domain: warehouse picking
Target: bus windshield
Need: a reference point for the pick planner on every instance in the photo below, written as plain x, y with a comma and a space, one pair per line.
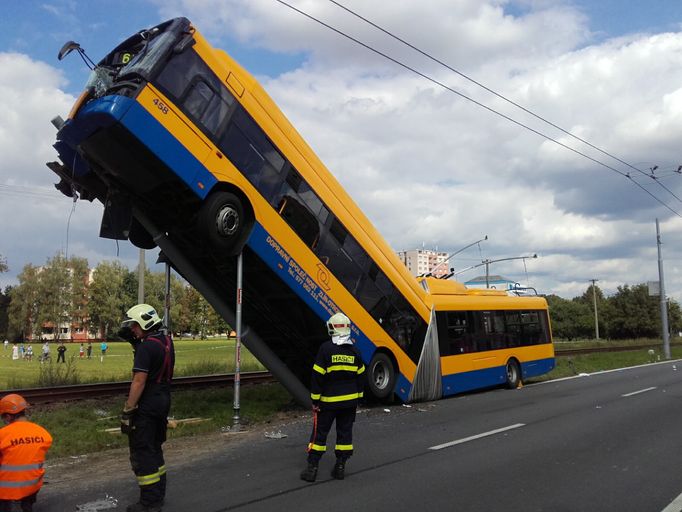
136, 59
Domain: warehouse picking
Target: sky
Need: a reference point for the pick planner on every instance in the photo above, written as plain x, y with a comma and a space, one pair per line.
434, 160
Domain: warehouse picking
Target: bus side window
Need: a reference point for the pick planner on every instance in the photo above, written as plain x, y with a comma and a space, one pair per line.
247, 147
300, 220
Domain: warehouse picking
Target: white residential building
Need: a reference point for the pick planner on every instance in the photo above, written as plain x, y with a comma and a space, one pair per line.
423, 261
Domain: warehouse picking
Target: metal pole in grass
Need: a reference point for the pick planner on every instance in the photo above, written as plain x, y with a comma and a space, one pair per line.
664, 305
237, 344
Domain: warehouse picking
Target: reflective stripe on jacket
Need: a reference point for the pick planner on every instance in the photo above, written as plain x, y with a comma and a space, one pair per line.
23, 446
338, 376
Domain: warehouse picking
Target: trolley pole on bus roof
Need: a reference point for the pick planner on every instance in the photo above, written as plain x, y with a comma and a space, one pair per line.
237, 344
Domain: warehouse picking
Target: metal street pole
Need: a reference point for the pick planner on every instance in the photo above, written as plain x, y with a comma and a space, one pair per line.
140, 278
594, 299
166, 307
664, 305
237, 343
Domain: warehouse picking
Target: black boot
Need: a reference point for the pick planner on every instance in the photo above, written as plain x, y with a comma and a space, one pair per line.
309, 474
339, 471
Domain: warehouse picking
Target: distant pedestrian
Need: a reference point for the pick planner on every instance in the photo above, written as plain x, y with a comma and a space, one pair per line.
61, 351
15, 352
103, 347
29, 353
22, 349
89, 349
81, 351
23, 445
45, 356
336, 385
6, 343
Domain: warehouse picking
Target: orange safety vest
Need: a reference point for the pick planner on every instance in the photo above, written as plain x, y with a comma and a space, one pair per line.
23, 446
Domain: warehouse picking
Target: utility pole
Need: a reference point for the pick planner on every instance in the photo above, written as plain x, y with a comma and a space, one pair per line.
664, 304
594, 300
140, 278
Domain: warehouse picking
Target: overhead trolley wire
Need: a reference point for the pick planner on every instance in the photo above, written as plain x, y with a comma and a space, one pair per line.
495, 93
482, 105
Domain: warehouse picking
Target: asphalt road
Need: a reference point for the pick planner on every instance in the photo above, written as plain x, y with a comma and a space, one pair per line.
604, 442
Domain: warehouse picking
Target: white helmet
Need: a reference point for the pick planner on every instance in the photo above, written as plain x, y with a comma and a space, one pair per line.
338, 325
144, 315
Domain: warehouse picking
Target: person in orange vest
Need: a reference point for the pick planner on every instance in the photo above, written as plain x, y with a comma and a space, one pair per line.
23, 446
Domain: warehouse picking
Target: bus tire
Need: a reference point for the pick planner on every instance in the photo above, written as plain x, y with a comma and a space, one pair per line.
139, 236
513, 373
381, 376
222, 221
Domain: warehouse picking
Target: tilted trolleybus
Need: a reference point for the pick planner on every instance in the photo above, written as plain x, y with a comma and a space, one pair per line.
187, 152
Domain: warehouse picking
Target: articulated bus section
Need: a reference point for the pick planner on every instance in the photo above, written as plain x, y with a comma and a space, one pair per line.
178, 137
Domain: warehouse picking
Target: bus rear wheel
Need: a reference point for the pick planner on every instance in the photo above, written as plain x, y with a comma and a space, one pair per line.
222, 221
513, 374
381, 376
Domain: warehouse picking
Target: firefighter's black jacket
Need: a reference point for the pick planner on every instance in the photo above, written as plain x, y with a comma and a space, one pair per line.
338, 379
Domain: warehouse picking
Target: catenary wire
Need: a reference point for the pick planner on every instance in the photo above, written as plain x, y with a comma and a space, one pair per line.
490, 109
512, 102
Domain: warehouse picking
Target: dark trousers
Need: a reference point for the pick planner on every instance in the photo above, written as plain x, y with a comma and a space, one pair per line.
344, 434
22, 505
146, 455
60, 357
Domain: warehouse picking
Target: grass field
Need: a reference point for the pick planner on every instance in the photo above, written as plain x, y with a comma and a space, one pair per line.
79, 427
192, 357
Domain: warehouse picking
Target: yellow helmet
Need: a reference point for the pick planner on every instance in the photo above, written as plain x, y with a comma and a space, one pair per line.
143, 315
338, 325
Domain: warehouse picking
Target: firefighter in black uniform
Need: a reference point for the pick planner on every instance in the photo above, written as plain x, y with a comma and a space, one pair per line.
145, 413
336, 385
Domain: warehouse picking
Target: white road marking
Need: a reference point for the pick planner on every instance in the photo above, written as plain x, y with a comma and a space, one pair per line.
638, 392
477, 436
675, 506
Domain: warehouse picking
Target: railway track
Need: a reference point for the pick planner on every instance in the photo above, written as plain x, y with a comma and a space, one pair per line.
99, 390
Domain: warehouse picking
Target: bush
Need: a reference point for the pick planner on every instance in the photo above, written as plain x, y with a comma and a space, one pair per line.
56, 374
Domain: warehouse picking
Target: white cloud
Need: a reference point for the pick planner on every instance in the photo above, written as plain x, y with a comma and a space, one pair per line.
425, 165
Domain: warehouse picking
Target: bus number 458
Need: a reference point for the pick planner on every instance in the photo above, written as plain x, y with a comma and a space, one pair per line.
161, 105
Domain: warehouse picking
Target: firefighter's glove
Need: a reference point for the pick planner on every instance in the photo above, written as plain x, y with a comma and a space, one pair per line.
127, 417
316, 408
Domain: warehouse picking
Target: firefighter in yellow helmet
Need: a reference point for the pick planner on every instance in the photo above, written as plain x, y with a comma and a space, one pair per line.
145, 412
336, 386
23, 446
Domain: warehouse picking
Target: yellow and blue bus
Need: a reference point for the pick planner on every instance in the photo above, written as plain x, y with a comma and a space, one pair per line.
174, 133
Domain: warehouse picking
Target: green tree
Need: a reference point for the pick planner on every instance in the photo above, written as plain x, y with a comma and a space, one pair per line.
3, 264
109, 296
24, 305
570, 318
4, 312
674, 317
633, 313
54, 285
